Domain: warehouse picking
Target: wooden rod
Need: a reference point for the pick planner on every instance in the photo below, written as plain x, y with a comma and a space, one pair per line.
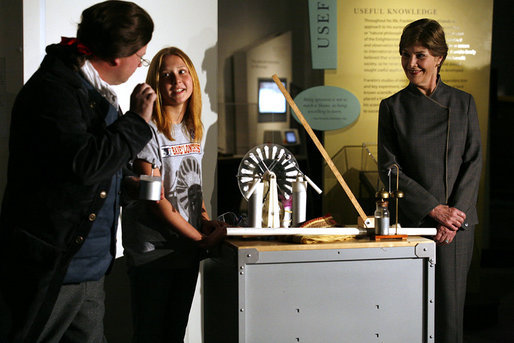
321, 149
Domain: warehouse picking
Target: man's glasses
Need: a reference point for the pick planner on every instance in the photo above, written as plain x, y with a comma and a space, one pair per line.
144, 62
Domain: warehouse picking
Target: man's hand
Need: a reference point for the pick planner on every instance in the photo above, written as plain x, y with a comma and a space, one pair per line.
142, 100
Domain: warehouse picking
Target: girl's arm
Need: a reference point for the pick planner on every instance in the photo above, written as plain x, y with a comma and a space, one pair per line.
165, 209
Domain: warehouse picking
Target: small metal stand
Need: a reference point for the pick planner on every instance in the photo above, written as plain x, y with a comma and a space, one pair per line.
397, 194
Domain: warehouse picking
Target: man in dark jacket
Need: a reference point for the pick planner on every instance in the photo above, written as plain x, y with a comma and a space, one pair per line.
68, 143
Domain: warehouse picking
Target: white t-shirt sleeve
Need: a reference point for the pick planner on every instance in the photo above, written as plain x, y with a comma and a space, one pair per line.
151, 151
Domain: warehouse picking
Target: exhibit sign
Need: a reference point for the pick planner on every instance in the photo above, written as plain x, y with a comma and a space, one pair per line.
369, 61
369, 66
327, 107
323, 33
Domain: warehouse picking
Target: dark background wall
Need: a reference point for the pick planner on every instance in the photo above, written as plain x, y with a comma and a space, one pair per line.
501, 121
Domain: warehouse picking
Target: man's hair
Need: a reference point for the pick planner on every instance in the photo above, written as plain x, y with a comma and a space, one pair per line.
114, 28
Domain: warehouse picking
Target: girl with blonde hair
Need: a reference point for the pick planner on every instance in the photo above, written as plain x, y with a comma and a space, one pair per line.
163, 240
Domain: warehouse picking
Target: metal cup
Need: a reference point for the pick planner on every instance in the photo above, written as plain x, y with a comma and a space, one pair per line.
150, 187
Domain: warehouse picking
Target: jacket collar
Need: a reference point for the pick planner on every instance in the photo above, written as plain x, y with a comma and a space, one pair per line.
91, 75
414, 90
59, 61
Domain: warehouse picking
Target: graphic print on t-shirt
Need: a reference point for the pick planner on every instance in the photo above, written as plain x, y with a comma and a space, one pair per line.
180, 149
189, 189
186, 188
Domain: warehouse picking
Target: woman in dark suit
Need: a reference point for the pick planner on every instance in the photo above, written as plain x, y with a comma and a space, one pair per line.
430, 130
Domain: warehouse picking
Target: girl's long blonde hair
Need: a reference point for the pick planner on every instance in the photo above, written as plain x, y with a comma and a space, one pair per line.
193, 116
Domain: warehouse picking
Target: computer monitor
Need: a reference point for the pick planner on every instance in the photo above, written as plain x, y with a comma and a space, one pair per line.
286, 137
291, 137
272, 105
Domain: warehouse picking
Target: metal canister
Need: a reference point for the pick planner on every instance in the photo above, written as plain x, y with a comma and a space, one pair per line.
255, 206
382, 218
299, 200
150, 187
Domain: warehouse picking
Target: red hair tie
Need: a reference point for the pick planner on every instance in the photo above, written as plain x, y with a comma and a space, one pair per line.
84, 50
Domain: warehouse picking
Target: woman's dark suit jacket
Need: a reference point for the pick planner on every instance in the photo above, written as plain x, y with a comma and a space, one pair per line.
435, 140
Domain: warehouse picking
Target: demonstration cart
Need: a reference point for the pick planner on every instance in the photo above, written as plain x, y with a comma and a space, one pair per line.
359, 290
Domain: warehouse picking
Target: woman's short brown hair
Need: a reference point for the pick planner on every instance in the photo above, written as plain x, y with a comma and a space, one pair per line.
428, 33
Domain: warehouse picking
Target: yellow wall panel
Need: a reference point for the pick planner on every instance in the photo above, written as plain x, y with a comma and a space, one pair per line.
369, 66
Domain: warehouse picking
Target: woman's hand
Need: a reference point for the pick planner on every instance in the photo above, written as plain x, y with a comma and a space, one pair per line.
450, 217
214, 231
444, 235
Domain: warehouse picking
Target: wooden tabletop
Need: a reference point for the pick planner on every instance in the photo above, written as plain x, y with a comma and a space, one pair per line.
353, 243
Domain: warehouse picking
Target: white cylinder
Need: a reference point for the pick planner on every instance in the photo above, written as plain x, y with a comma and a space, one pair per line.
150, 187
299, 200
255, 206
286, 219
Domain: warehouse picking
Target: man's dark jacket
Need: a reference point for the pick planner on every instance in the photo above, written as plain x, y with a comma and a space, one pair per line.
61, 160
